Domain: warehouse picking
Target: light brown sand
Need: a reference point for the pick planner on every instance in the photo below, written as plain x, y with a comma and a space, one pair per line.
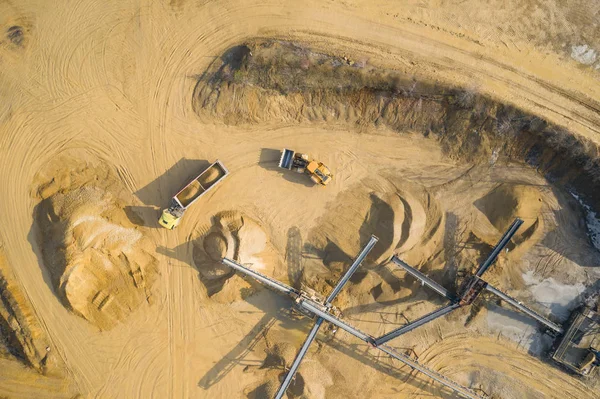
113, 80
190, 193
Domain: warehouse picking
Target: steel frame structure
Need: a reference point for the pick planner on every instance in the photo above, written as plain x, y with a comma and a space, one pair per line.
322, 312
468, 292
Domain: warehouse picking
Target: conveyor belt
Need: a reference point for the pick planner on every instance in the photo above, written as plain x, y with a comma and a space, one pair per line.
525, 309
423, 278
417, 323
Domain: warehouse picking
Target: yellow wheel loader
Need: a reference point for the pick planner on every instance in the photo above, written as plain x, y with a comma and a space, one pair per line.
318, 172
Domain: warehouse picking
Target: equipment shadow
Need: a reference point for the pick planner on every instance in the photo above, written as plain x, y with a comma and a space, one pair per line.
144, 216
274, 311
159, 192
360, 352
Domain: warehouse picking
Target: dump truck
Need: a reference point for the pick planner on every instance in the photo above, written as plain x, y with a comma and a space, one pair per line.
205, 181
301, 163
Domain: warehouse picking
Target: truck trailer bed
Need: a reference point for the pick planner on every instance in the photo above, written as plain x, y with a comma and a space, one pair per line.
201, 184
287, 159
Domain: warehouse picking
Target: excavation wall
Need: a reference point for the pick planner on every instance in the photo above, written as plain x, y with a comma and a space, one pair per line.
274, 81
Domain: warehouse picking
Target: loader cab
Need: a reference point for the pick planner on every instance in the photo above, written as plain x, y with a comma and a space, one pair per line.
170, 218
319, 173
324, 174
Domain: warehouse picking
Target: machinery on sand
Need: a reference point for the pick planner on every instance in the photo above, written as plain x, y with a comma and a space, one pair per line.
322, 310
301, 163
200, 185
577, 345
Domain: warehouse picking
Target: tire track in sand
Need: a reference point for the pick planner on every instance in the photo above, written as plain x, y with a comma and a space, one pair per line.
463, 353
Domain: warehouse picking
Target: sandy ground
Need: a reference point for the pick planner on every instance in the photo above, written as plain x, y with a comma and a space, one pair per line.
111, 83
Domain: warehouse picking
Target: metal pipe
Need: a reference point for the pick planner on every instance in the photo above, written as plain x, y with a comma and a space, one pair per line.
290, 375
525, 309
260, 277
424, 279
417, 323
499, 247
466, 392
361, 256
306, 304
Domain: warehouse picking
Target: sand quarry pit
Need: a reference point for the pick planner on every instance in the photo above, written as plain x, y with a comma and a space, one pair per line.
441, 122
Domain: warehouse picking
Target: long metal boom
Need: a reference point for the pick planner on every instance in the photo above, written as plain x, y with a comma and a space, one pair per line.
464, 391
417, 323
313, 332
361, 256
467, 393
313, 308
268, 281
525, 309
290, 375
499, 247
423, 278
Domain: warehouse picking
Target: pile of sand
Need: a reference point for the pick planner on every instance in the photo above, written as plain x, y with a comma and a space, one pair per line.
190, 192
352, 218
405, 218
99, 262
310, 382
232, 235
508, 201
196, 187
211, 177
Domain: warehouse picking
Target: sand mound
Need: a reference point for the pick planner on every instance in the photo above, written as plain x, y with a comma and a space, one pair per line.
316, 379
352, 218
209, 178
191, 191
215, 246
231, 235
404, 217
284, 353
506, 202
267, 390
197, 186
99, 262
310, 382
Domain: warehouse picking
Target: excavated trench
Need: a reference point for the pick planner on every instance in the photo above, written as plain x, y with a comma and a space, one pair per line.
276, 81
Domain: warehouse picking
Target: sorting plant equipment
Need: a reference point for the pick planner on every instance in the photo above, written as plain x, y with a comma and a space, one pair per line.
322, 311
470, 289
578, 350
